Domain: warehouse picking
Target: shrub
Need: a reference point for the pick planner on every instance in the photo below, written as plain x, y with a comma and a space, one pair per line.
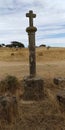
12, 54
40, 54
10, 83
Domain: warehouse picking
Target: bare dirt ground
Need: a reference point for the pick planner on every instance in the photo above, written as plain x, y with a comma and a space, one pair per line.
37, 115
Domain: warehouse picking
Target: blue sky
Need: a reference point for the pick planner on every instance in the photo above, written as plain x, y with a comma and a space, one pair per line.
50, 21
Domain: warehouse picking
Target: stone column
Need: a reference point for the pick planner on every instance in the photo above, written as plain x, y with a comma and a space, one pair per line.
31, 36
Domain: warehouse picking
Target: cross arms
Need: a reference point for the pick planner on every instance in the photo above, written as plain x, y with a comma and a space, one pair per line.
31, 16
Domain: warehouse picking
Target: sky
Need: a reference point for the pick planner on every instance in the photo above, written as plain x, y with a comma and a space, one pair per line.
50, 21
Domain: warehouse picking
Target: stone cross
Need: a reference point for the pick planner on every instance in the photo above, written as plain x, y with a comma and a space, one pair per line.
33, 85
31, 34
31, 16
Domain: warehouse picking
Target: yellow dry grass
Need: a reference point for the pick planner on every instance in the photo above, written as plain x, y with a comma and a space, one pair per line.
50, 62
42, 54
13, 54
41, 115
51, 54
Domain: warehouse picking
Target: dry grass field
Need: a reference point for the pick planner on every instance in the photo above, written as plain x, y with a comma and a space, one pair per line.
50, 62
36, 115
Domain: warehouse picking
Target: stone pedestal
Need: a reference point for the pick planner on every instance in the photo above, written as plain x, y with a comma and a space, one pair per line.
33, 88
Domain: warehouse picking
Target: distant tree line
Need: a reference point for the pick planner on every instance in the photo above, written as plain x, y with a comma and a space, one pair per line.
15, 44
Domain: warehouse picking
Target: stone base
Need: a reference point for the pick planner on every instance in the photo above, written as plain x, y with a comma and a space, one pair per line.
33, 88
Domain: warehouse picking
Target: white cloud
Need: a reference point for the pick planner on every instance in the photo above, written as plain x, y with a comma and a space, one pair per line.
53, 42
50, 20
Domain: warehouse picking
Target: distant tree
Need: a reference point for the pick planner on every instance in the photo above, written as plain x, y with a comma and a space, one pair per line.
42, 45
0, 45
17, 44
48, 47
9, 45
3, 44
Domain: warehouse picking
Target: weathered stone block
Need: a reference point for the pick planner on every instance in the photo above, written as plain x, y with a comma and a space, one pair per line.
33, 88
59, 81
61, 99
8, 108
61, 96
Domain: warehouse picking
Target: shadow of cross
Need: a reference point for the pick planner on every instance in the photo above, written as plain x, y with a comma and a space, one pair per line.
31, 35
31, 16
